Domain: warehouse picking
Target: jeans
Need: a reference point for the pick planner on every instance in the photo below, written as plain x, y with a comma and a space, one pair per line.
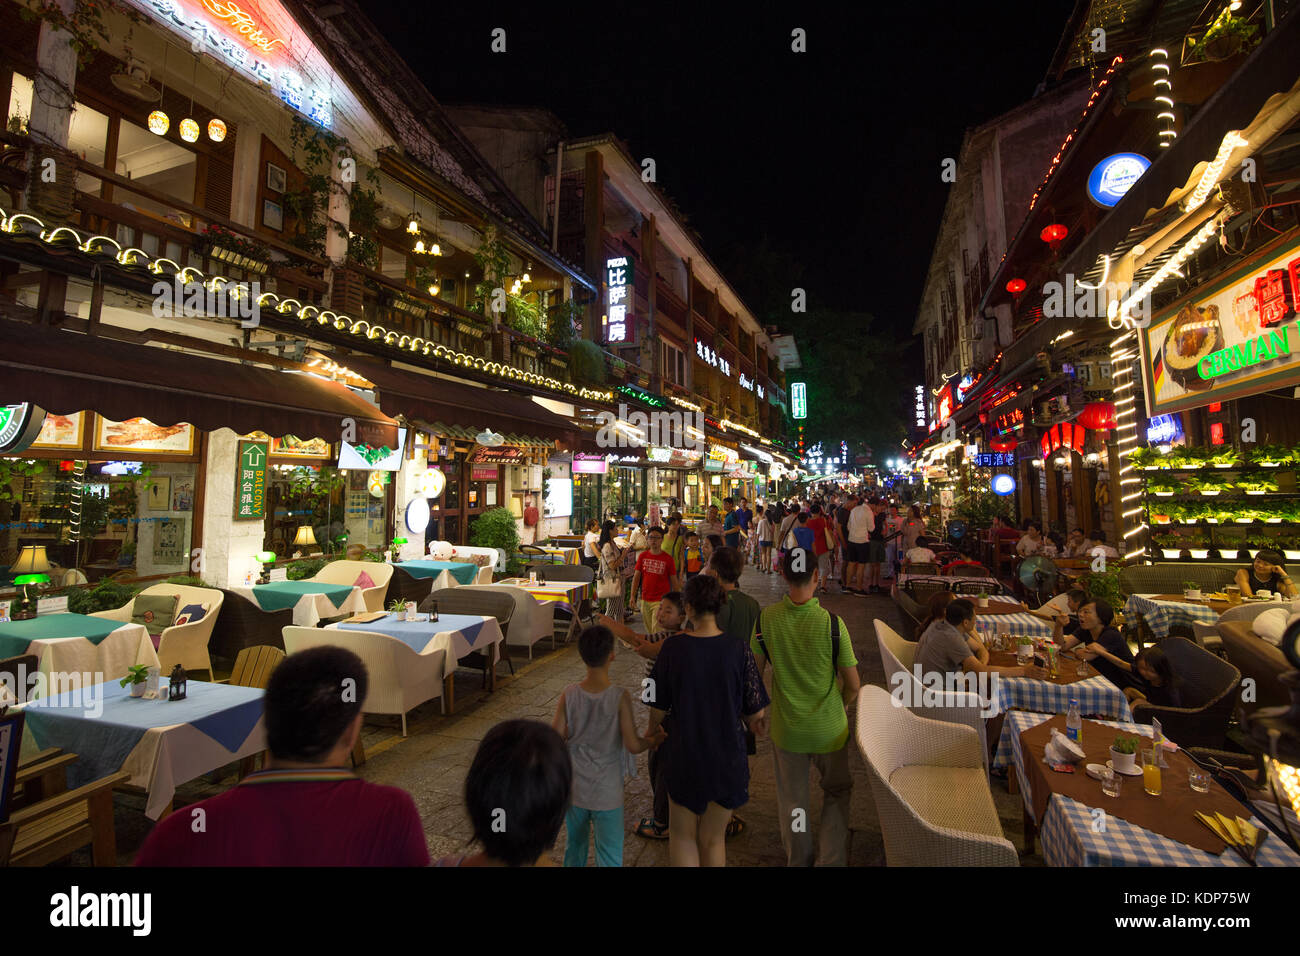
793, 793
609, 836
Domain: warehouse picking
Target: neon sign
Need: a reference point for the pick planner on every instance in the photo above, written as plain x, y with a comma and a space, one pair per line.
243, 24
1114, 176
618, 276
712, 357
799, 400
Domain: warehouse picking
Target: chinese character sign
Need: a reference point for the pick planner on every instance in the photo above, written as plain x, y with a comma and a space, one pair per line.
996, 459
250, 480
799, 400
618, 319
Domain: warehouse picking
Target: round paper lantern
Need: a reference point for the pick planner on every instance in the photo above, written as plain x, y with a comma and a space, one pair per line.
1003, 444
1016, 286
1053, 234
158, 122
432, 484
216, 130
1098, 416
189, 130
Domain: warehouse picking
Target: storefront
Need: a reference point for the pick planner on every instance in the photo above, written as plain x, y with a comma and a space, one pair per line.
674, 469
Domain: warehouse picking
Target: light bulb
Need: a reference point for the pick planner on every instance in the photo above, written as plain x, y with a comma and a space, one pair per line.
433, 288
435, 249
216, 130
414, 225
419, 245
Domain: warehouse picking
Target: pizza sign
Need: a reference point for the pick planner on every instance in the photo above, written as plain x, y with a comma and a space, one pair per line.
250, 480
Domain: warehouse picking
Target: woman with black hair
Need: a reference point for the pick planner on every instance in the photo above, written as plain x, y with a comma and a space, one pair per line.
517, 794
709, 685
610, 568
1102, 645
1266, 573
1154, 679
935, 608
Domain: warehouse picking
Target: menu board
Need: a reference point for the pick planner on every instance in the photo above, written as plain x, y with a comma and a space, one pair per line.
142, 435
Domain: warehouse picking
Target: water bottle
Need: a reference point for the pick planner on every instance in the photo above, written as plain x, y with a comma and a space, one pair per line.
1074, 722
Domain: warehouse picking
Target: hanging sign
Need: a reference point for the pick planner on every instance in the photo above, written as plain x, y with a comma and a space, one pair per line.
502, 455
1114, 176
585, 463
619, 278
250, 480
799, 400
20, 425
996, 459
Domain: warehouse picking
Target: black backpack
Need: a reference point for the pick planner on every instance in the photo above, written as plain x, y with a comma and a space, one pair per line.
835, 645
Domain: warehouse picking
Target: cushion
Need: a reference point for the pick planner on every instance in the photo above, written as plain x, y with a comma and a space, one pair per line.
955, 797
156, 612
191, 613
363, 580
1270, 625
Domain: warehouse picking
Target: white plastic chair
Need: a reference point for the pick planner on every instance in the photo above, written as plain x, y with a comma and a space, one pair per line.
346, 572
399, 678
931, 790
897, 656
183, 644
532, 619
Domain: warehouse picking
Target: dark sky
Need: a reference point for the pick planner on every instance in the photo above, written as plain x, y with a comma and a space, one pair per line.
834, 153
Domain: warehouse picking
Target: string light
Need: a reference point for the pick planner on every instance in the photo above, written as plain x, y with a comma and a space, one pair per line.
1159, 61
1210, 178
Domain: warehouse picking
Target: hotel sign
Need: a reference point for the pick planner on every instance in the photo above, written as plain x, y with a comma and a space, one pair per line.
799, 400
1236, 336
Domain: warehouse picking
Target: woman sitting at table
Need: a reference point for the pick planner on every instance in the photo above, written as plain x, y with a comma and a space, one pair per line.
1154, 679
952, 646
934, 609
1100, 644
1266, 574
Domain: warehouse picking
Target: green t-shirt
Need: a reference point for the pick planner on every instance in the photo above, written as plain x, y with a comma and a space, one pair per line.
739, 615
807, 710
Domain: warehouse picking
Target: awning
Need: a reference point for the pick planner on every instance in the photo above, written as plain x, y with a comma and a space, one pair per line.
429, 399
65, 372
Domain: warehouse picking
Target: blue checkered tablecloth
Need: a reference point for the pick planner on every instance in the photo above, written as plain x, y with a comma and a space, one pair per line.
1162, 615
1097, 696
1068, 837
1016, 624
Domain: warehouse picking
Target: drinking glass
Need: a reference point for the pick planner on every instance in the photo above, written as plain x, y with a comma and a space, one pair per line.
1004, 640
1111, 782
1151, 772
1198, 780
1082, 669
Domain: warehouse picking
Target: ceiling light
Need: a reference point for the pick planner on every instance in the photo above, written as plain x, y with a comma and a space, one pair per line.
413, 226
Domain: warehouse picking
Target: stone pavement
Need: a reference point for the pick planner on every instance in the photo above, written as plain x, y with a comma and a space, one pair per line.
431, 762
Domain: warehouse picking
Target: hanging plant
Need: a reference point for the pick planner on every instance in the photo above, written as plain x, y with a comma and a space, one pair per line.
493, 260
309, 206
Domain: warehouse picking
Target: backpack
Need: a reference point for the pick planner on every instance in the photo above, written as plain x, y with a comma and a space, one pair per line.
835, 645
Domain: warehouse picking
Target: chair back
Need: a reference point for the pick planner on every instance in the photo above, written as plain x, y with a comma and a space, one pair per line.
211, 597
404, 586
1170, 578
472, 600
923, 567
253, 665
911, 614
1248, 612
346, 572
1208, 686
14, 675
896, 653
397, 676
922, 591
243, 624
568, 572
970, 571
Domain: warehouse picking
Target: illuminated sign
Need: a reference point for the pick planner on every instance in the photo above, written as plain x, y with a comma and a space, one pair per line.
20, 425
619, 278
1114, 176
1002, 484
674, 457
1164, 429
721, 458
250, 49
746, 383
1065, 435
707, 354
996, 459
799, 400
589, 464
920, 406
1264, 348
945, 404
250, 480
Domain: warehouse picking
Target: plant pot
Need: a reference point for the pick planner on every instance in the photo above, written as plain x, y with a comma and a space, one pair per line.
984, 602
137, 689
1211, 494
1192, 594
1255, 493
1123, 763
1222, 47
1269, 464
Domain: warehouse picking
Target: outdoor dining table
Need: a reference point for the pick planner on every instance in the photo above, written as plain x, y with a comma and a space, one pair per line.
455, 634
311, 600
552, 556
445, 574
997, 618
568, 595
160, 743
1077, 833
1097, 696
1164, 611
93, 648
948, 580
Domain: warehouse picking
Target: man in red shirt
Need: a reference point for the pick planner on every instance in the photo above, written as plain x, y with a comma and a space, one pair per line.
306, 808
655, 576
817, 524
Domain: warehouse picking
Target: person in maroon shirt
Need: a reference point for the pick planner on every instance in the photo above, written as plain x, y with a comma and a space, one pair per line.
306, 808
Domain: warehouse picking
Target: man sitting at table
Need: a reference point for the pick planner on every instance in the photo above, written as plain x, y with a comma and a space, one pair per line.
919, 555
1266, 574
1074, 544
306, 808
1033, 541
952, 646
1065, 605
1100, 644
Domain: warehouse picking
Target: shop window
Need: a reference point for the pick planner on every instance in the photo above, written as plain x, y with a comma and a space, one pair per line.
674, 364
305, 496
87, 137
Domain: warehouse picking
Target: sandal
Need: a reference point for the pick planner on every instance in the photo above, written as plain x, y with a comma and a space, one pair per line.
652, 829
735, 826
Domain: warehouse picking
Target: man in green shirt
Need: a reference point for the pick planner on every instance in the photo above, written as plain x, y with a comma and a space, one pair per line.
811, 692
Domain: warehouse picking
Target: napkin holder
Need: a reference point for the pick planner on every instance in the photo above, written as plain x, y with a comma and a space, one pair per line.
1061, 749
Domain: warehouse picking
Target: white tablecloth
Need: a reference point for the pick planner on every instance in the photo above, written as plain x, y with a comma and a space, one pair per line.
456, 634
311, 608
110, 660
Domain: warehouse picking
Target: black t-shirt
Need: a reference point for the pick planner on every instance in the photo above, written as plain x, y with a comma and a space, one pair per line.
842, 516
1163, 696
1274, 582
1114, 642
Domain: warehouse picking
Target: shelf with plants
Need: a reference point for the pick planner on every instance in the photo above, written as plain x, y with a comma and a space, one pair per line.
1220, 504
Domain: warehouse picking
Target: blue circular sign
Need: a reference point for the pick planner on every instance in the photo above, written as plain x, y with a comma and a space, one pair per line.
1002, 484
1114, 176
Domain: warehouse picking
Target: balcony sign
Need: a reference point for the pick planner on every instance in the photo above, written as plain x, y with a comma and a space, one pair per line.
250, 481
1114, 176
619, 279
799, 400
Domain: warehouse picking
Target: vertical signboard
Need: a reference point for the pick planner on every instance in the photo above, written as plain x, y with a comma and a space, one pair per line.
799, 400
619, 279
250, 480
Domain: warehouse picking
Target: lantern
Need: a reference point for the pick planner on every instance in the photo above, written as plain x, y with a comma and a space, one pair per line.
158, 122
1053, 235
216, 130
176, 683
1016, 286
1098, 416
1003, 444
189, 130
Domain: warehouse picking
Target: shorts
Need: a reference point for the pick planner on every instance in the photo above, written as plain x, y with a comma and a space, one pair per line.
875, 552
824, 564
857, 552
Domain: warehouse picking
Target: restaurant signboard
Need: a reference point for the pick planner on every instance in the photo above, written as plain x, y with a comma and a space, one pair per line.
587, 463
500, 455
250, 480
20, 425
721, 458
1237, 336
674, 457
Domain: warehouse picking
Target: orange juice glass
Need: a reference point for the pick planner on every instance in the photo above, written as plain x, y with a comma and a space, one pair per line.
1151, 773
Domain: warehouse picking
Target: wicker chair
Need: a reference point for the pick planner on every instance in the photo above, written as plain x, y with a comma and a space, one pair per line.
910, 613
1208, 636
970, 571
1171, 578
243, 624
922, 591
1209, 694
923, 567
481, 601
897, 656
404, 586
931, 790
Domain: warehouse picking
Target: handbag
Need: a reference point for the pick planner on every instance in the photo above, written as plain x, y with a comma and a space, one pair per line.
830, 540
610, 584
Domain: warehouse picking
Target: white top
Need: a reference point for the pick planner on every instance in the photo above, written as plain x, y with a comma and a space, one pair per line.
862, 521
921, 555
764, 529
589, 542
1105, 549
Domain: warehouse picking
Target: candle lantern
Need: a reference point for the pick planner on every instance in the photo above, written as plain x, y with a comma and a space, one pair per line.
176, 683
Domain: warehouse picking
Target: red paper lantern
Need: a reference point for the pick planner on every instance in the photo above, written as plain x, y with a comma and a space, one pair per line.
1099, 416
1016, 286
1003, 444
1053, 234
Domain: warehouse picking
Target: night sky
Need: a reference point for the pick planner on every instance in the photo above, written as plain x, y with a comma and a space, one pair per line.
834, 154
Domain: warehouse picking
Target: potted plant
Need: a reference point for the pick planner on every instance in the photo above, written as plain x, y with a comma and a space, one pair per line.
984, 598
1191, 590
397, 607
1163, 489
1123, 755
1024, 648
1272, 456
136, 676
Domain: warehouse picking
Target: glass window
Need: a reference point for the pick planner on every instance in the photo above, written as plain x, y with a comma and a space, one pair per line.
158, 164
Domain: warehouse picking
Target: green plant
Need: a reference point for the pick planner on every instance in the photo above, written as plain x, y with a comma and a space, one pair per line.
1257, 481
1146, 458
85, 26
496, 528
563, 323
493, 260
1272, 455
397, 604
309, 206
524, 316
187, 580
1191, 586
301, 570
1164, 487
1104, 585
1125, 745
1226, 29
586, 363
105, 596
1024, 639
136, 674
215, 236
12, 469
546, 483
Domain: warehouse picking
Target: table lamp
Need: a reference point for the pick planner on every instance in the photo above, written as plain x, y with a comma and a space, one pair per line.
305, 537
30, 569
266, 559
